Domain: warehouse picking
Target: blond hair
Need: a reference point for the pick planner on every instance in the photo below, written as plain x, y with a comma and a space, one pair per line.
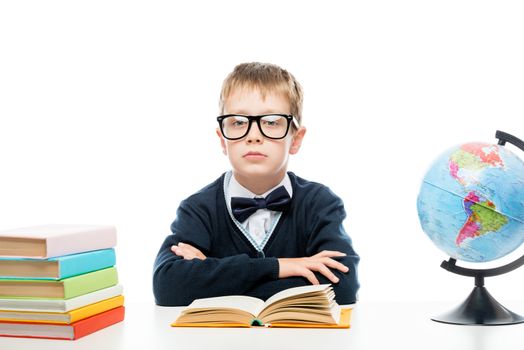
266, 78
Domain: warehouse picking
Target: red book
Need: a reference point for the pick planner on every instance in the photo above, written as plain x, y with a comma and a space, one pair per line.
72, 331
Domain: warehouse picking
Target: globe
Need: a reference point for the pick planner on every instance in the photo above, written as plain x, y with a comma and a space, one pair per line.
471, 202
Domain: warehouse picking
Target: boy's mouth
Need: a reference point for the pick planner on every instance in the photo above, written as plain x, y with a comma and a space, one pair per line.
254, 155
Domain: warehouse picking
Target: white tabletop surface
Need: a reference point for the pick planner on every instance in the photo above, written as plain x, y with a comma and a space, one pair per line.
374, 326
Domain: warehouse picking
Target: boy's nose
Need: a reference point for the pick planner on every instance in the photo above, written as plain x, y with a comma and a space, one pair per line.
254, 135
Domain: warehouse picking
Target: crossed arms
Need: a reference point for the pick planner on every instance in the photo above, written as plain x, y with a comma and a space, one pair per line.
288, 267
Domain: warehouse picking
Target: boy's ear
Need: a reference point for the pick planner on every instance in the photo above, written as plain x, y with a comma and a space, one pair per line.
297, 140
222, 141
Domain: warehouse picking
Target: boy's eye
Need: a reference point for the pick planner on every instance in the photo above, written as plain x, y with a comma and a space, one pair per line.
272, 120
238, 121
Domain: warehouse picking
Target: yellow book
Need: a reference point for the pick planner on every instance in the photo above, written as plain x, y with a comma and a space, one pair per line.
301, 307
62, 317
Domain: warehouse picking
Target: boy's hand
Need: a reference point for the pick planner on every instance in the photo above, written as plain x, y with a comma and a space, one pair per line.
304, 267
187, 251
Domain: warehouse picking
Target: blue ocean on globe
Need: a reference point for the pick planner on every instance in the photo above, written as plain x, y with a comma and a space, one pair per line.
471, 202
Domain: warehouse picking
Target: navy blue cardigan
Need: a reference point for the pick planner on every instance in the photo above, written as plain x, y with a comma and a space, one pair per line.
233, 266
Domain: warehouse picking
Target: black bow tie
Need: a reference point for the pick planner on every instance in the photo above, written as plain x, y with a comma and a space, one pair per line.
277, 200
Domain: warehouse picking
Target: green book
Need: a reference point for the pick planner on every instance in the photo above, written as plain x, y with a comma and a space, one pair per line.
65, 288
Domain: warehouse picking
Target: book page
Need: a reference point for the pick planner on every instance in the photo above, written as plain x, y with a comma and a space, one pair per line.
245, 303
296, 291
13, 246
303, 316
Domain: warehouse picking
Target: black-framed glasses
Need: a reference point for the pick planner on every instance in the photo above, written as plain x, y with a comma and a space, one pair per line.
272, 126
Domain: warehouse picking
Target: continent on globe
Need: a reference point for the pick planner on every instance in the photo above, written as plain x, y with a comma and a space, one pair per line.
471, 202
470, 159
482, 218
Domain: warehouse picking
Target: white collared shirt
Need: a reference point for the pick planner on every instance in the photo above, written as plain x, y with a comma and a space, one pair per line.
258, 224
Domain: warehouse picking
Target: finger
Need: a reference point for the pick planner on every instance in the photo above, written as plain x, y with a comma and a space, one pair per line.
175, 249
328, 254
310, 276
184, 245
197, 252
180, 246
334, 264
178, 251
189, 256
189, 247
327, 273
182, 252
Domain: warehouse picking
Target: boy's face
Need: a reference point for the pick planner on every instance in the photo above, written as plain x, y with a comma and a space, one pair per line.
255, 156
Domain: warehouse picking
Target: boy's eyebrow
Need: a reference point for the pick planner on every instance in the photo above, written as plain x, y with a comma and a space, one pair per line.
240, 111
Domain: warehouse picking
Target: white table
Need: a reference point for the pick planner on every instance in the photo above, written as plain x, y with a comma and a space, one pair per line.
374, 326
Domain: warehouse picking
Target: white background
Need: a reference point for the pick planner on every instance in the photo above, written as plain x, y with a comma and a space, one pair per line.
107, 115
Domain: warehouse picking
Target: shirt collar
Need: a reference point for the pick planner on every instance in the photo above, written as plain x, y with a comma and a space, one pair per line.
237, 190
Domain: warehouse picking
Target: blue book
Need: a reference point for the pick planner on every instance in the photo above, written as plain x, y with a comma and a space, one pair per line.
58, 267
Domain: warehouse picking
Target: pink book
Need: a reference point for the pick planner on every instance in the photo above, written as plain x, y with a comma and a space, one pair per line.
47, 241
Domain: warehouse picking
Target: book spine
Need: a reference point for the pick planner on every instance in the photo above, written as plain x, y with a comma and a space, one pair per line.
89, 282
93, 297
60, 305
77, 264
96, 308
97, 322
63, 318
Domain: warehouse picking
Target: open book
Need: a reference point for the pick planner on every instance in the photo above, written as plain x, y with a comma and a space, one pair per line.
308, 306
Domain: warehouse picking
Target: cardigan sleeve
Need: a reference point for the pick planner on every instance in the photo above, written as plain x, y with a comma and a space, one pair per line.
326, 232
178, 282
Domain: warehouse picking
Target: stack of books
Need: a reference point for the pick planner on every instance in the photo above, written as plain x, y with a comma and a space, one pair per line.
58, 281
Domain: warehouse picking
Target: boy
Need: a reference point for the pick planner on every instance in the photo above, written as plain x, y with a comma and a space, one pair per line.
258, 229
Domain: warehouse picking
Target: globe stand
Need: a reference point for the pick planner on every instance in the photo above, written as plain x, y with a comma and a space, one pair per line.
480, 308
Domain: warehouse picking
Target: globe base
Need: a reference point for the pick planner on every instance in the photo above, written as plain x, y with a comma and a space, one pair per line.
480, 308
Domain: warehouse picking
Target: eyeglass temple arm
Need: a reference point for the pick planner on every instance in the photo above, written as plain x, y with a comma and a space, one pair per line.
295, 122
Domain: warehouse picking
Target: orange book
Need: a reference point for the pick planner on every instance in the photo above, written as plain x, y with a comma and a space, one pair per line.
73, 331
311, 306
